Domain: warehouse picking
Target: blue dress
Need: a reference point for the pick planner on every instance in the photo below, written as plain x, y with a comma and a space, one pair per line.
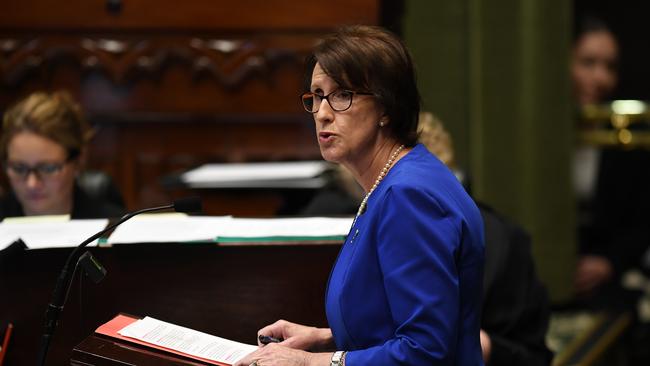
406, 288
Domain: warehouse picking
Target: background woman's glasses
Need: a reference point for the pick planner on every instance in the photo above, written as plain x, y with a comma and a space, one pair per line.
42, 170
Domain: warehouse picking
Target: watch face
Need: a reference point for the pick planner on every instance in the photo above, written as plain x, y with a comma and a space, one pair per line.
336, 358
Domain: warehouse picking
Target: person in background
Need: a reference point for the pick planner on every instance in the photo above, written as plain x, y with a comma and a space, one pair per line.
610, 183
594, 62
515, 312
612, 187
594, 73
44, 137
406, 287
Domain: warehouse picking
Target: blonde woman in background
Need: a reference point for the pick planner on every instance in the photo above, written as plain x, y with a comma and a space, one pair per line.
44, 137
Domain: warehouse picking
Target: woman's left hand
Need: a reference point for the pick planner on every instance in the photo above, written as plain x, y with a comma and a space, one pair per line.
276, 355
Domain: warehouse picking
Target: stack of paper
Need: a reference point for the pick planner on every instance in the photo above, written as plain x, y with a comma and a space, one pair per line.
169, 228
48, 232
173, 228
286, 229
176, 339
300, 174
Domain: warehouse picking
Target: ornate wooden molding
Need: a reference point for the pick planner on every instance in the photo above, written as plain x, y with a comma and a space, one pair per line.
230, 62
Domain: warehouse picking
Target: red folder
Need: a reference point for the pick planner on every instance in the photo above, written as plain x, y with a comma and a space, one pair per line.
111, 328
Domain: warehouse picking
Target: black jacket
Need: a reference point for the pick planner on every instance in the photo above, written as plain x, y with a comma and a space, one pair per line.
515, 303
84, 206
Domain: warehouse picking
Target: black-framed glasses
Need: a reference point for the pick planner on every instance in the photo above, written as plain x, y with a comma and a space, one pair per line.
41, 170
339, 100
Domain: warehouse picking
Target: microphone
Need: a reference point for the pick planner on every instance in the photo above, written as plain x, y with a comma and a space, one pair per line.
55, 307
188, 204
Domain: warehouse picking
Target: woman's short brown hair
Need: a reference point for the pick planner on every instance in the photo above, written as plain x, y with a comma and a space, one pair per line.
371, 59
55, 116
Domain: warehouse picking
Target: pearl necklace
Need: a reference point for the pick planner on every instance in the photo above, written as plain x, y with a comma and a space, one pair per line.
381, 176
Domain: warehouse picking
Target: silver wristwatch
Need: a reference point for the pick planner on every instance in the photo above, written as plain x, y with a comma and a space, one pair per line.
337, 358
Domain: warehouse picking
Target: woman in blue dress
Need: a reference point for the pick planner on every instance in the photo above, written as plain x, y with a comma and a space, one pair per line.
406, 288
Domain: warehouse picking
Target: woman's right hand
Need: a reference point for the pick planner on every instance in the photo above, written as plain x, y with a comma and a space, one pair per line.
591, 272
299, 336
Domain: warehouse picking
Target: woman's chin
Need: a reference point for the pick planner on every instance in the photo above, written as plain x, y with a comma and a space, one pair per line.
329, 155
37, 208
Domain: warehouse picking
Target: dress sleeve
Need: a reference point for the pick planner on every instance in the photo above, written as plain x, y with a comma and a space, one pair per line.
418, 251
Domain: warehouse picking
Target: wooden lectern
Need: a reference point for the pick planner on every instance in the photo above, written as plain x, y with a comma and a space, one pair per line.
229, 291
102, 351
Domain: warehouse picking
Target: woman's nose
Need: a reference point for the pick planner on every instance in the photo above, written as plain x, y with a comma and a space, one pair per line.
325, 112
32, 180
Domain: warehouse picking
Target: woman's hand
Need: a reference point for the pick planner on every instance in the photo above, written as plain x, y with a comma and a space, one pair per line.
592, 271
299, 336
276, 355
486, 346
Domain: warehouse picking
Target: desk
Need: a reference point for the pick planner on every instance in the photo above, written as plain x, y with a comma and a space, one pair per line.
226, 291
100, 351
252, 189
248, 202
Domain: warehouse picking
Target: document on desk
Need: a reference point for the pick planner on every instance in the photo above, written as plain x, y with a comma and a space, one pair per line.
169, 228
294, 174
227, 229
186, 341
39, 233
303, 228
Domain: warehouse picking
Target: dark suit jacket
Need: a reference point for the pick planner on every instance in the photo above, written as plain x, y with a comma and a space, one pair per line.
515, 303
620, 228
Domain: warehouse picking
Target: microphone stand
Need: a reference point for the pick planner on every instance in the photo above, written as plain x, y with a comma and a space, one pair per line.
62, 287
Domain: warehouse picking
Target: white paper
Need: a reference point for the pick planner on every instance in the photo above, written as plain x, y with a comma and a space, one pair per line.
37, 218
291, 174
39, 234
292, 227
187, 340
162, 228
171, 229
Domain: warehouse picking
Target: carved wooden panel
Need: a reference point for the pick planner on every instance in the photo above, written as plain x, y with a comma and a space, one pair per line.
162, 74
227, 62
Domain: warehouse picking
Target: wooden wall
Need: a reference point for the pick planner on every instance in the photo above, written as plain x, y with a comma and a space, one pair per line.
170, 85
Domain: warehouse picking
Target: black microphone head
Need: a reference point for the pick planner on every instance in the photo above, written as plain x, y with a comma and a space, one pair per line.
188, 204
